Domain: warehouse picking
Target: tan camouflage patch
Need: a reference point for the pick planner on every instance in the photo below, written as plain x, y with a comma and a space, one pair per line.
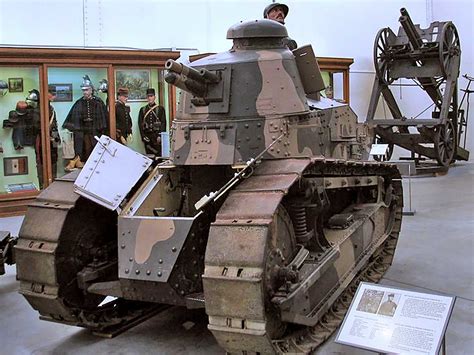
279, 95
150, 232
207, 147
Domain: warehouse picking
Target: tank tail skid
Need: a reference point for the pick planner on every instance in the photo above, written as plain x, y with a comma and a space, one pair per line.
267, 293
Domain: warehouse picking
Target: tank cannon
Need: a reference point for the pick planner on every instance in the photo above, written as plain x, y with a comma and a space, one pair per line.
189, 79
266, 214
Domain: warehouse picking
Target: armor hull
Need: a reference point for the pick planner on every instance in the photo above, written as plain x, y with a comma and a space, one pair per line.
266, 215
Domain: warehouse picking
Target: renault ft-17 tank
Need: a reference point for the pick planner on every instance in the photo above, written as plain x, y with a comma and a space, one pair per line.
265, 214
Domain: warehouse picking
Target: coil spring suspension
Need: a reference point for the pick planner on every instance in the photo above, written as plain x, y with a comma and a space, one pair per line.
297, 213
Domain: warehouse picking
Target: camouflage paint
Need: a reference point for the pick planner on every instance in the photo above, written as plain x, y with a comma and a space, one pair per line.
280, 94
150, 246
148, 234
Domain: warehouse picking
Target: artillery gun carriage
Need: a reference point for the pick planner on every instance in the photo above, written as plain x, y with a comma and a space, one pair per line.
266, 214
431, 58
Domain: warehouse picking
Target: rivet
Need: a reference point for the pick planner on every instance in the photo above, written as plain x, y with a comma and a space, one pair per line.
127, 271
160, 261
159, 274
122, 246
137, 271
148, 272
173, 249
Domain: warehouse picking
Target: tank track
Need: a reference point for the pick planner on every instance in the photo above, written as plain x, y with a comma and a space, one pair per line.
61, 235
239, 315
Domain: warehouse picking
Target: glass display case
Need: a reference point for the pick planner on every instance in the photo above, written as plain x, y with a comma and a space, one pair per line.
40, 92
335, 73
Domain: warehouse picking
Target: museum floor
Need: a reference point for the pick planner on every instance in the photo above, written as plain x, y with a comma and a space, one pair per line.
435, 254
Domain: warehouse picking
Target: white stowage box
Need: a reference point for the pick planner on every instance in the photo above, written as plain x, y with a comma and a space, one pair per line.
110, 173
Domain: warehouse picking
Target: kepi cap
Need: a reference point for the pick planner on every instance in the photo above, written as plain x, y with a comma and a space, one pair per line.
150, 92
122, 92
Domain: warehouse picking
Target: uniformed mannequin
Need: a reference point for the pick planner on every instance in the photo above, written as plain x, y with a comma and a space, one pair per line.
123, 120
87, 118
278, 12
152, 121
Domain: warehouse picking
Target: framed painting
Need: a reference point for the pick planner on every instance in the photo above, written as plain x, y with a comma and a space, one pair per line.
135, 80
63, 92
15, 84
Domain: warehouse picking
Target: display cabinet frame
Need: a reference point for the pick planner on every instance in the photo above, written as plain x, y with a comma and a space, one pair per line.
338, 65
44, 58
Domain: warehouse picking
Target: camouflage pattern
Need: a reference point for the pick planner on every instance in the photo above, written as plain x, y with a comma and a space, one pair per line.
290, 219
271, 100
146, 240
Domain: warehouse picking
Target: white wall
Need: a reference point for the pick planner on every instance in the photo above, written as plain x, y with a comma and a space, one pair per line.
338, 28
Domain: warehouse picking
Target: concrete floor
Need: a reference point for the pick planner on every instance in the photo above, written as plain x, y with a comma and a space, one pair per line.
435, 254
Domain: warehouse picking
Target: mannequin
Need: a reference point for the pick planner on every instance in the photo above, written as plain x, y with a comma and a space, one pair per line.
86, 119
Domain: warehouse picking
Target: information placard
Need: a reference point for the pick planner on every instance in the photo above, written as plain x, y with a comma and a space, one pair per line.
392, 320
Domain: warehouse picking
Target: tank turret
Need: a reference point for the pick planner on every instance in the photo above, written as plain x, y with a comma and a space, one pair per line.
258, 90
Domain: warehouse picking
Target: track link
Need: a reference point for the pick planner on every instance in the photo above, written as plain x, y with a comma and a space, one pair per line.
63, 233
238, 257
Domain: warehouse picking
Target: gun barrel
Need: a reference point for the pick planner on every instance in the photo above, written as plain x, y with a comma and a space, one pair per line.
410, 29
188, 84
209, 76
179, 68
